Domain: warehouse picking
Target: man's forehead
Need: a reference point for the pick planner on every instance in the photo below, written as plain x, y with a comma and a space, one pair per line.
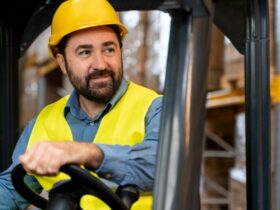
93, 30
94, 35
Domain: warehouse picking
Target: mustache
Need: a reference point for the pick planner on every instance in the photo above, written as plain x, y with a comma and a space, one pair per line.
97, 73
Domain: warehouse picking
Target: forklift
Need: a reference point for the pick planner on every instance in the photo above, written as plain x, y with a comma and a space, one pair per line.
244, 22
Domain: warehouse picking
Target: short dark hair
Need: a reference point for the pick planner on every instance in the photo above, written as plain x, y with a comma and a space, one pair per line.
62, 44
118, 33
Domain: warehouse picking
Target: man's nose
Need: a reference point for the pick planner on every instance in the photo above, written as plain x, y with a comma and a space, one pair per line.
99, 61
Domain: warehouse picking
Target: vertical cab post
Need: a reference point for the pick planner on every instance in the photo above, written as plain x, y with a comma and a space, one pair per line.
183, 116
9, 49
257, 102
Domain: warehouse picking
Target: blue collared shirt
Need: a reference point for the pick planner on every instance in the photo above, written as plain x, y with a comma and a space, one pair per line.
121, 164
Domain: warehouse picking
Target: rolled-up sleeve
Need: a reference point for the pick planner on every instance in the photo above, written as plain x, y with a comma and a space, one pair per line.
134, 164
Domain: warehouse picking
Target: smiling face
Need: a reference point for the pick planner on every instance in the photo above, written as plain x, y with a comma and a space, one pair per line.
92, 59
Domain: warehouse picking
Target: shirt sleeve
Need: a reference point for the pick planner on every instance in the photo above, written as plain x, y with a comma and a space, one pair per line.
10, 199
134, 164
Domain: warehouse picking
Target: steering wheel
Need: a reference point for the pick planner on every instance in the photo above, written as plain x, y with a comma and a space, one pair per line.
67, 194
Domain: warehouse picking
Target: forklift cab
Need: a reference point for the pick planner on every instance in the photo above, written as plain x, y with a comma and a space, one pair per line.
245, 23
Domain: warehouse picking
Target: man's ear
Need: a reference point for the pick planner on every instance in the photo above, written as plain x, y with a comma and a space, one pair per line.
61, 62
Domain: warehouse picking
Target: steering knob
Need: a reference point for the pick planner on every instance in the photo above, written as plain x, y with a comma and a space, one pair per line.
129, 194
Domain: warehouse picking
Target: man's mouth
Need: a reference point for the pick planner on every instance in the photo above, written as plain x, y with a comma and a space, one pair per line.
101, 78
98, 76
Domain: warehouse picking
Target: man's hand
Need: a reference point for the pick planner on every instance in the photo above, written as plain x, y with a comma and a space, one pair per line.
46, 157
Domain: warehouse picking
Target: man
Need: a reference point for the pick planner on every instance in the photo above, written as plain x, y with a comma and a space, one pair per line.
107, 124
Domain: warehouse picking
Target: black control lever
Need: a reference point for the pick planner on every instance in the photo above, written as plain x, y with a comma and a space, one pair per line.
129, 194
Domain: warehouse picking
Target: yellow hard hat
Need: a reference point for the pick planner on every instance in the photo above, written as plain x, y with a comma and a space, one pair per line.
74, 15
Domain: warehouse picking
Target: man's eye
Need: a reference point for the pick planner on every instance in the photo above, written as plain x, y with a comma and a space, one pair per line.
84, 52
109, 50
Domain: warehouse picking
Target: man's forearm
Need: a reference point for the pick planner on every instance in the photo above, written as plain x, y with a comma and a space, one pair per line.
130, 164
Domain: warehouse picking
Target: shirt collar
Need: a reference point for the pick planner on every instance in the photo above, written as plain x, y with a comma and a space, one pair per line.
73, 107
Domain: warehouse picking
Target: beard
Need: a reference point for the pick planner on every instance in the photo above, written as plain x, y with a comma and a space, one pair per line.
100, 85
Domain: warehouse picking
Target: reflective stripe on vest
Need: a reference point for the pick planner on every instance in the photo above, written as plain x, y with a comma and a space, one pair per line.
123, 125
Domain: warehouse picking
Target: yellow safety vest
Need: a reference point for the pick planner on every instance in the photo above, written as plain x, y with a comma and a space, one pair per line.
124, 124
